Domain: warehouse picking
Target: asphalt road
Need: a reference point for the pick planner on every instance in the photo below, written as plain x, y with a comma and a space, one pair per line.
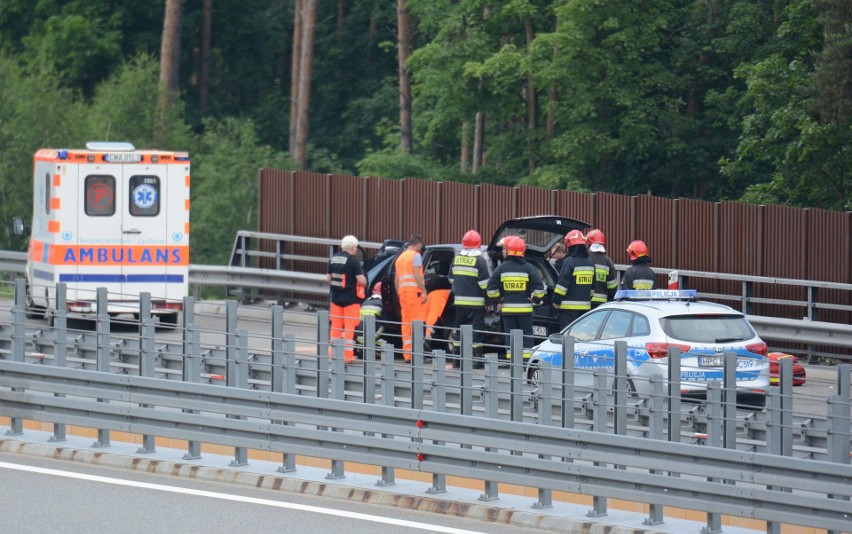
40, 495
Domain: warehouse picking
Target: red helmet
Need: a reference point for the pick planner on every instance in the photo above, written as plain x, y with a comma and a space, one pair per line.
637, 249
471, 239
377, 289
574, 237
515, 246
596, 237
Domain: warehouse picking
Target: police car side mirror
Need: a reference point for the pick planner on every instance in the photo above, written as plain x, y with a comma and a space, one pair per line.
18, 227
555, 338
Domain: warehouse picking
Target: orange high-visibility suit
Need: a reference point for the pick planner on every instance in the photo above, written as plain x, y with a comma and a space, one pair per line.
412, 296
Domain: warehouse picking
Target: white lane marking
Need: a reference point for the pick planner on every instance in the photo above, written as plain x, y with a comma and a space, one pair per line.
238, 498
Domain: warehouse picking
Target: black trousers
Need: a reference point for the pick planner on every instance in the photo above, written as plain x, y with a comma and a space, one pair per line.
474, 316
519, 321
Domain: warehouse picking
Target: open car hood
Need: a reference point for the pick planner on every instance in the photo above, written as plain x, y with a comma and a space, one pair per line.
540, 232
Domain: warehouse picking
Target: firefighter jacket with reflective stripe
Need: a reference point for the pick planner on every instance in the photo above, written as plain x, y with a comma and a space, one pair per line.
344, 269
372, 306
639, 276
605, 280
469, 276
404, 266
574, 288
518, 283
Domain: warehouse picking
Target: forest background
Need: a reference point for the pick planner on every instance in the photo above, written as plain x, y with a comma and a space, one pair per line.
746, 100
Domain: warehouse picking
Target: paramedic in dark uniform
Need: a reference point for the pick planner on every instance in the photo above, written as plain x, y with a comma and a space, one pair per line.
519, 285
345, 276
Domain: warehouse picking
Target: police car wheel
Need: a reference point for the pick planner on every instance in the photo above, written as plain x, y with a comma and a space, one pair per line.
533, 374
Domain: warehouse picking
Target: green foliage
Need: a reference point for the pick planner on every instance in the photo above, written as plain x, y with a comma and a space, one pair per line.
224, 186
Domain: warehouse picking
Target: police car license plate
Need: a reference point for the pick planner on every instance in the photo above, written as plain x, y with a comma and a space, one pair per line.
710, 361
540, 331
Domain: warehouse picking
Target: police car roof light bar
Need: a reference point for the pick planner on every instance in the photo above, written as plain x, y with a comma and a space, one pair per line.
656, 294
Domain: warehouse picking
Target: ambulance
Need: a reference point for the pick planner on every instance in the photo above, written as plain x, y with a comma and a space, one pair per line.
114, 217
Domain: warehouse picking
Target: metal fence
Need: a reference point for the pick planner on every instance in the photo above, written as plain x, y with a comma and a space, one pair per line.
684, 234
276, 392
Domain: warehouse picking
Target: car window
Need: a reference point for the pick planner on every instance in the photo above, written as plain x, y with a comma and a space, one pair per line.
586, 328
707, 328
640, 326
617, 325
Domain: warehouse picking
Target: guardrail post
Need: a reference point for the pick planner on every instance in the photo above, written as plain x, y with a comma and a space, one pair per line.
674, 395
620, 390
369, 356
729, 400
19, 340
284, 380
466, 369
748, 291
773, 441
545, 417
599, 424
146, 359
237, 377
417, 364
103, 337
812, 315
492, 398
567, 382
785, 383
338, 392
60, 347
323, 326
516, 372
276, 347
715, 438
388, 400
439, 404
191, 364
655, 431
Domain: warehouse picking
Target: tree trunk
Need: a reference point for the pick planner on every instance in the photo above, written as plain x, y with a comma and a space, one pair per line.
294, 75
532, 105
372, 34
404, 42
204, 63
464, 163
478, 141
170, 55
305, 71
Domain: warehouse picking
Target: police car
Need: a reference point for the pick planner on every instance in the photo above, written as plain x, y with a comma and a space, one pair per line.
652, 321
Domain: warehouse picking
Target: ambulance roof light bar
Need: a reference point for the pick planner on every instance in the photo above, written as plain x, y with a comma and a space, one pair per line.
109, 146
656, 294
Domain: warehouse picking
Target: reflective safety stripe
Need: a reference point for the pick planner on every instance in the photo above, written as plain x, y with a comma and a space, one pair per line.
599, 298
643, 284
574, 305
459, 270
517, 308
470, 301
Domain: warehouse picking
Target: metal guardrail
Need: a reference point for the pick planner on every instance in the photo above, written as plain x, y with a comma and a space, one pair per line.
13, 262
767, 487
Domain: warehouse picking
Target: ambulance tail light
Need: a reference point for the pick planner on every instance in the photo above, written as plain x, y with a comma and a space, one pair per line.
175, 306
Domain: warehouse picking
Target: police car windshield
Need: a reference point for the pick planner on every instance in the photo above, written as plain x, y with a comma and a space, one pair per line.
707, 328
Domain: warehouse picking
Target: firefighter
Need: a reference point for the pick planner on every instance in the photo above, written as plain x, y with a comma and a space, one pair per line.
519, 285
346, 277
372, 306
572, 295
411, 289
639, 275
469, 277
605, 279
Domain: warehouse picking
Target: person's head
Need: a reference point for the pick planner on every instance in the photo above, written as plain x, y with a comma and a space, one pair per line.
558, 251
515, 247
597, 241
349, 244
415, 242
637, 250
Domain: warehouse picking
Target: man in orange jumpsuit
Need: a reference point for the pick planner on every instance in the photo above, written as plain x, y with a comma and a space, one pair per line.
411, 289
346, 277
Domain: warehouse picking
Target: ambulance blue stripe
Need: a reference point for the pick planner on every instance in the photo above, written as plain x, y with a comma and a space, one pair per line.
123, 278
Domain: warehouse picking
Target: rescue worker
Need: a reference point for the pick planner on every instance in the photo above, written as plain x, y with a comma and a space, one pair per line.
372, 306
345, 276
605, 279
572, 295
411, 290
519, 285
469, 277
639, 275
